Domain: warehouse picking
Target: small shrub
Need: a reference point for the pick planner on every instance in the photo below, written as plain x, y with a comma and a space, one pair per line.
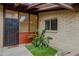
40, 40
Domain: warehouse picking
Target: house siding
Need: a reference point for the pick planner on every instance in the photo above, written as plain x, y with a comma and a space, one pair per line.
66, 38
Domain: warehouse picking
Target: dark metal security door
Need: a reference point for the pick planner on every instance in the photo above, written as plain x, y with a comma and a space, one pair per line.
11, 32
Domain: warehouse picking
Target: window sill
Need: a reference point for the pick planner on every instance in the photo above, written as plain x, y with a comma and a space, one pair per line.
51, 31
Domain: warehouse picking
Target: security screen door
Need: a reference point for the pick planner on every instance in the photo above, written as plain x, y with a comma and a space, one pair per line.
11, 32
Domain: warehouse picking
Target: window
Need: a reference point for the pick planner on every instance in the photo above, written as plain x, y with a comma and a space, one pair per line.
51, 24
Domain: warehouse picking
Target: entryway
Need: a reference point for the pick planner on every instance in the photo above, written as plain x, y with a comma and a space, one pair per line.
11, 32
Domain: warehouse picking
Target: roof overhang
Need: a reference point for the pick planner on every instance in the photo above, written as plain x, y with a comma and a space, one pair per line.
40, 7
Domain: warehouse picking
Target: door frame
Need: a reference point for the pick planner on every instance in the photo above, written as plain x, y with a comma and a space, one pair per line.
4, 14
14, 30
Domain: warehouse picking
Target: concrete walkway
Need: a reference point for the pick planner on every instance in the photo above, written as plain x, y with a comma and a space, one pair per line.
16, 51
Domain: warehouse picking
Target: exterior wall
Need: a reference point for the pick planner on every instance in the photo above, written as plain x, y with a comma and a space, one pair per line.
66, 38
1, 26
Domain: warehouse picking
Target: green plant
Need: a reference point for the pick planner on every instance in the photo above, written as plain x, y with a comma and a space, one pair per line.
40, 40
43, 51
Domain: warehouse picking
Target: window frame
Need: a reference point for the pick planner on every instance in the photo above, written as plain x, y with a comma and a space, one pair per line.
50, 29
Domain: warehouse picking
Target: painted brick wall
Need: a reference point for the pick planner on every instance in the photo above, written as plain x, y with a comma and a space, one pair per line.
66, 38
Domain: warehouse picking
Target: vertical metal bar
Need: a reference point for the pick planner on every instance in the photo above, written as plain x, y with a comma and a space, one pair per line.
37, 21
29, 22
18, 25
3, 25
50, 23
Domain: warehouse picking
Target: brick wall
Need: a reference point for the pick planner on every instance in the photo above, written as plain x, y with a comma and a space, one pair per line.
66, 38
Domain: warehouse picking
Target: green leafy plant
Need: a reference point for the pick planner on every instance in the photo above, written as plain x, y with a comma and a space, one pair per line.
40, 40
